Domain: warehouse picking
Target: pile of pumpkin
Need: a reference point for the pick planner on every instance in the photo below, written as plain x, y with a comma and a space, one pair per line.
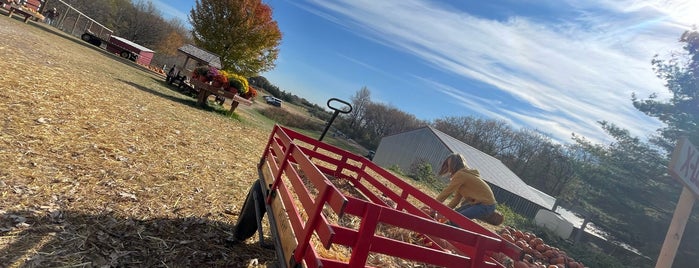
536, 253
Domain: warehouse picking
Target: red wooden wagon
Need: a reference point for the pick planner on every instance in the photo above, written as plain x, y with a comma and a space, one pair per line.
302, 188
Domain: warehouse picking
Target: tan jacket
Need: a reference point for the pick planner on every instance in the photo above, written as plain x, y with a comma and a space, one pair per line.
469, 187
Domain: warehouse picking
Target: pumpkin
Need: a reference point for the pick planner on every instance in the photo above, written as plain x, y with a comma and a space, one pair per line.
508, 237
540, 248
521, 264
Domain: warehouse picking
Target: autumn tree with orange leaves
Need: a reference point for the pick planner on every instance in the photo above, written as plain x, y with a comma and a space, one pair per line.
242, 32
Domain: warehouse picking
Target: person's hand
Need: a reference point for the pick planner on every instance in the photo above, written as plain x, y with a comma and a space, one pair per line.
433, 214
440, 218
429, 211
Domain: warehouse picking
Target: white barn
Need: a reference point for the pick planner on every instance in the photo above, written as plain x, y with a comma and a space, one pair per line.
433, 146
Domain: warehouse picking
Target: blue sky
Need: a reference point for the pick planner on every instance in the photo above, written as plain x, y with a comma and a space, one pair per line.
555, 66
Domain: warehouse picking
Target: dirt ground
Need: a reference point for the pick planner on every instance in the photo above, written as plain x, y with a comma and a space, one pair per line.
103, 165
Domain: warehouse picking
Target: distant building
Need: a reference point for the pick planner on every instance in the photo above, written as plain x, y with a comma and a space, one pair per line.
430, 145
120, 45
200, 55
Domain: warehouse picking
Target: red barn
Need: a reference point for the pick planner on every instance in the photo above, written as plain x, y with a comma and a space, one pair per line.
130, 50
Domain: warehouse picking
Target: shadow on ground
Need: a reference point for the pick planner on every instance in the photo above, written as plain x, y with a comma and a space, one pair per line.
62, 238
186, 99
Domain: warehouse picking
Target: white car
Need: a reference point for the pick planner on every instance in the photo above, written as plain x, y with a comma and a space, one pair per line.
273, 101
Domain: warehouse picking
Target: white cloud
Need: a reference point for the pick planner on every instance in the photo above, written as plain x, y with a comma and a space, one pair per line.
570, 74
169, 11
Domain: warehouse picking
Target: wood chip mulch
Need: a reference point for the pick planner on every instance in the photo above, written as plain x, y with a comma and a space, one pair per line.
103, 165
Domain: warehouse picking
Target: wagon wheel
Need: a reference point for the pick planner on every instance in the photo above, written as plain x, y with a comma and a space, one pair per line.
125, 54
250, 217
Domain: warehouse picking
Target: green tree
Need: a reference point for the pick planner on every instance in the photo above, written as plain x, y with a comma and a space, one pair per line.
625, 183
242, 32
681, 111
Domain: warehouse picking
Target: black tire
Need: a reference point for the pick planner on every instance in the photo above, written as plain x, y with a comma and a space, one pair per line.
91, 39
86, 37
247, 220
125, 54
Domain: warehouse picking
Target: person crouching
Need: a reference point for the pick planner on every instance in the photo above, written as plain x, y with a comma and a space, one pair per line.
471, 193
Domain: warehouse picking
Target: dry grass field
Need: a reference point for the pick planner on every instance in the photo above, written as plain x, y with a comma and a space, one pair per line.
103, 165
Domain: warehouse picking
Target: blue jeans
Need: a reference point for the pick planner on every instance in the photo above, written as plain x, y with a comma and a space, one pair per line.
476, 211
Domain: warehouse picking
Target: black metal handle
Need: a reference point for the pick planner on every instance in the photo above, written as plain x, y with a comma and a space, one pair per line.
346, 109
341, 110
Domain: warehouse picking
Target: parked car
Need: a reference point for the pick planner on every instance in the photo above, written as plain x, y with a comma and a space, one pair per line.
370, 155
273, 101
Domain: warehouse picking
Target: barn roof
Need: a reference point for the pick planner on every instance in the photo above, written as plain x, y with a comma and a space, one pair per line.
493, 171
201, 55
137, 46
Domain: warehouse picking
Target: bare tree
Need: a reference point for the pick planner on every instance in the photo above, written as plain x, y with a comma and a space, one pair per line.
489, 136
142, 24
382, 120
360, 100
457, 127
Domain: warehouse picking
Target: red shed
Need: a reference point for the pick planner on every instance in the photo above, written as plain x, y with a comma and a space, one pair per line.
127, 49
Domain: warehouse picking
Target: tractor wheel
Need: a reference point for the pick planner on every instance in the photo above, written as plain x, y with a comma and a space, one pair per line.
247, 220
91, 39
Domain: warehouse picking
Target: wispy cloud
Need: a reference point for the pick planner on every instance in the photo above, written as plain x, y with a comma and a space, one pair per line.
570, 75
369, 66
169, 11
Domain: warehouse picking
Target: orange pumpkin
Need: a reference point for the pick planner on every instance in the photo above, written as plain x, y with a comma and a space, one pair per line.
538, 241
521, 264
521, 244
540, 247
518, 234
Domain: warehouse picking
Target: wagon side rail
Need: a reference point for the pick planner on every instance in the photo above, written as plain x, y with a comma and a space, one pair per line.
280, 166
305, 219
313, 222
365, 240
367, 180
372, 180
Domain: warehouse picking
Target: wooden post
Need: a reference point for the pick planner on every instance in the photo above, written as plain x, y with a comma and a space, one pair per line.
581, 231
234, 104
674, 233
42, 6
72, 31
684, 167
184, 66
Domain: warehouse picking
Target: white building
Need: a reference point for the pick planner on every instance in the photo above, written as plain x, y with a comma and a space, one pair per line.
433, 146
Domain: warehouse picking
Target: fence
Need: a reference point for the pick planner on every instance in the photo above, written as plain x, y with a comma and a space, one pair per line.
74, 22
